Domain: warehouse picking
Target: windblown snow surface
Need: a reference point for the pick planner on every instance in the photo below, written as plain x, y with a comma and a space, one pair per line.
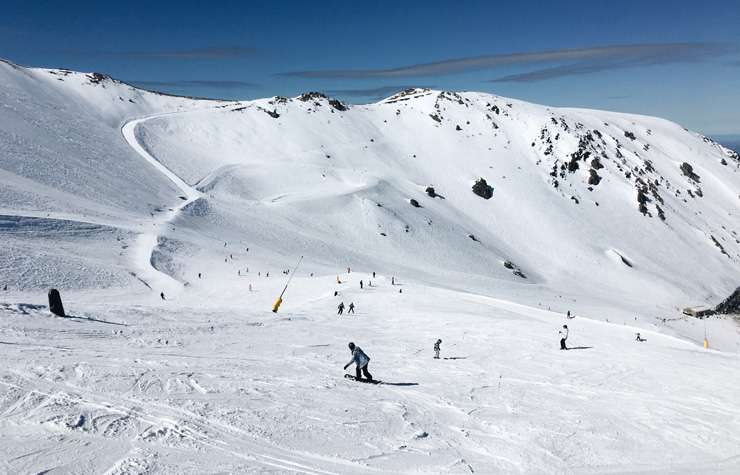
113, 194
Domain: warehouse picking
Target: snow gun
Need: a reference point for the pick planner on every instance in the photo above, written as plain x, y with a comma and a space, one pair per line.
279, 300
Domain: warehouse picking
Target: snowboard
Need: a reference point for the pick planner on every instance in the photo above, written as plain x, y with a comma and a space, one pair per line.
353, 378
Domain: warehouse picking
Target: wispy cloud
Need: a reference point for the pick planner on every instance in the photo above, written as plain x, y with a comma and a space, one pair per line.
601, 56
216, 52
647, 55
556, 72
372, 93
214, 84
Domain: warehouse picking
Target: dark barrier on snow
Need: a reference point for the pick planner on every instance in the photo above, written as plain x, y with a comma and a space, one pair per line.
55, 303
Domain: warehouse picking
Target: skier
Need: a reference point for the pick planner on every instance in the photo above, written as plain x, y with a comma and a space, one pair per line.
351, 308
393, 281
568, 314
361, 360
436, 348
563, 336
161, 294
239, 272
639, 338
250, 287
360, 284
340, 308
373, 275
199, 275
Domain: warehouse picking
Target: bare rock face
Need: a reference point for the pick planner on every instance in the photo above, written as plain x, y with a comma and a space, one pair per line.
483, 189
514, 269
593, 178
730, 305
338, 105
688, 170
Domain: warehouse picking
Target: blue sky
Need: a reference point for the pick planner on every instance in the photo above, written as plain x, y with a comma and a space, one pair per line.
677, 59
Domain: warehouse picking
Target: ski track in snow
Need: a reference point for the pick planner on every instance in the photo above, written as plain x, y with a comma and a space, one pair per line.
148, 241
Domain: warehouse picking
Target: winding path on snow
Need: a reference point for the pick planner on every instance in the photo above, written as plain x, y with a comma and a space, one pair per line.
148, 240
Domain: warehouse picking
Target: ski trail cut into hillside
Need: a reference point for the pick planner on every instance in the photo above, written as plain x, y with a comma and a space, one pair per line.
148, 240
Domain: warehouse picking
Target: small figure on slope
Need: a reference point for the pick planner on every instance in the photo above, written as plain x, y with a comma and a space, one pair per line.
161, 294
639, 338
360, 359
351, 308
563, 336
436, 348
340, 308
360, 284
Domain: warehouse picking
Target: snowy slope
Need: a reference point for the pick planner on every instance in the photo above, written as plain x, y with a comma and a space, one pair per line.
63, 160
113, 195
337, 184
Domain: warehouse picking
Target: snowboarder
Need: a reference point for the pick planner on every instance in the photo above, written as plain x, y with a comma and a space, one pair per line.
360, 284
436, 348
161, 294
351, 308
361, 360
340, 308
563, 336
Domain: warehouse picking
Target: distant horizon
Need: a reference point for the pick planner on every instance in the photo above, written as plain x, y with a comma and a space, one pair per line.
674, 60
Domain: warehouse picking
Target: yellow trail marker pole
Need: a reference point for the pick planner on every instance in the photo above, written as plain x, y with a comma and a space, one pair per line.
279, 300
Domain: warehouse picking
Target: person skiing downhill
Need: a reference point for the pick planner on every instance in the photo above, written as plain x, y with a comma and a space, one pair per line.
436, 348
340, 308
563, 336
351, 308
361, 360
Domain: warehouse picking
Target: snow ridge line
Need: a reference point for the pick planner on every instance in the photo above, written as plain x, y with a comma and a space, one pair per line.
147, 242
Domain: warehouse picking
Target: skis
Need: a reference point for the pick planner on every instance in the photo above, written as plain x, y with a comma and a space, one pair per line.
353, 378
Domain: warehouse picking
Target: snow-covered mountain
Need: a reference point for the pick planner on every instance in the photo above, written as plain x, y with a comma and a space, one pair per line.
624, 208
497, 215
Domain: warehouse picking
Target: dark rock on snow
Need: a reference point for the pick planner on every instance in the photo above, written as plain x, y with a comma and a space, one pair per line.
730, 305
483, 189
